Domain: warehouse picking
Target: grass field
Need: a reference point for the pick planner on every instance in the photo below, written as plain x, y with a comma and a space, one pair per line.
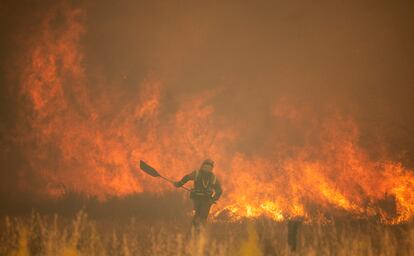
152, 225
38, 234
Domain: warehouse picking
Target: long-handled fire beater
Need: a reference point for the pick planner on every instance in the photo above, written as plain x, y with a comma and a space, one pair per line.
154, 173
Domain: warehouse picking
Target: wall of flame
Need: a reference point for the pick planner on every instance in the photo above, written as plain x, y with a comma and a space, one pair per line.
76, 138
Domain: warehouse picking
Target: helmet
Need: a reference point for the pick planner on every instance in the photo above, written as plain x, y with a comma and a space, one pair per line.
209, 162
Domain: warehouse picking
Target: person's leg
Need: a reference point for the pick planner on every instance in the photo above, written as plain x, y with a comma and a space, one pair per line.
204, 211
196, 217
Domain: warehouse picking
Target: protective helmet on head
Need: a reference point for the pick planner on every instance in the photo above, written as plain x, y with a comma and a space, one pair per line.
209, 162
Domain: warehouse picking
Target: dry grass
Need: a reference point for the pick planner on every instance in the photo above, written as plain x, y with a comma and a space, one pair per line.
53, 235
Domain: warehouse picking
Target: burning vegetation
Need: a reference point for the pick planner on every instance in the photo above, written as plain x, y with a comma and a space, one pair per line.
73, 139
279, 155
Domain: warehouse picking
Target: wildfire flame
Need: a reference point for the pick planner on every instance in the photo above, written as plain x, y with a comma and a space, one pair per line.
86, 140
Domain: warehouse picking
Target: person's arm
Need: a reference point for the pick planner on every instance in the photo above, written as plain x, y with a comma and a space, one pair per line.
185, 179
217, 191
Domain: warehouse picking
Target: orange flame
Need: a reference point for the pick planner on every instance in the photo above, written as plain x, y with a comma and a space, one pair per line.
72, 137
335, 174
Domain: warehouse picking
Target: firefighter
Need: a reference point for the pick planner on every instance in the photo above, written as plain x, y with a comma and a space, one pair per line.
206, 191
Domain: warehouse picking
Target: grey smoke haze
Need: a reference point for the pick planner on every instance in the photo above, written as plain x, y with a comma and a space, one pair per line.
355, 57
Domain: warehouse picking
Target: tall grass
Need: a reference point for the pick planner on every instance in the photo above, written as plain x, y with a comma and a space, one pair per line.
55, 235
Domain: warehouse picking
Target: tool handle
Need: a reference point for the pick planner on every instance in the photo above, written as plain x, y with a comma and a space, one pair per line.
174, 182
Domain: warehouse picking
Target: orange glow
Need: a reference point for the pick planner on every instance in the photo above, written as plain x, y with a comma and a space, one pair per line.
75, 145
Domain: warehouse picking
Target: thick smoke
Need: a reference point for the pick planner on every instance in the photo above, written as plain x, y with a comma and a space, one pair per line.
91, 88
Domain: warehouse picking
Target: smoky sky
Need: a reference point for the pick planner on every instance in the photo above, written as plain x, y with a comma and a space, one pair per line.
356, 57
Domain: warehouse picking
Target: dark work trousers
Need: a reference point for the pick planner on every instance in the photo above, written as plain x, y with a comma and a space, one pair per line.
202, 209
